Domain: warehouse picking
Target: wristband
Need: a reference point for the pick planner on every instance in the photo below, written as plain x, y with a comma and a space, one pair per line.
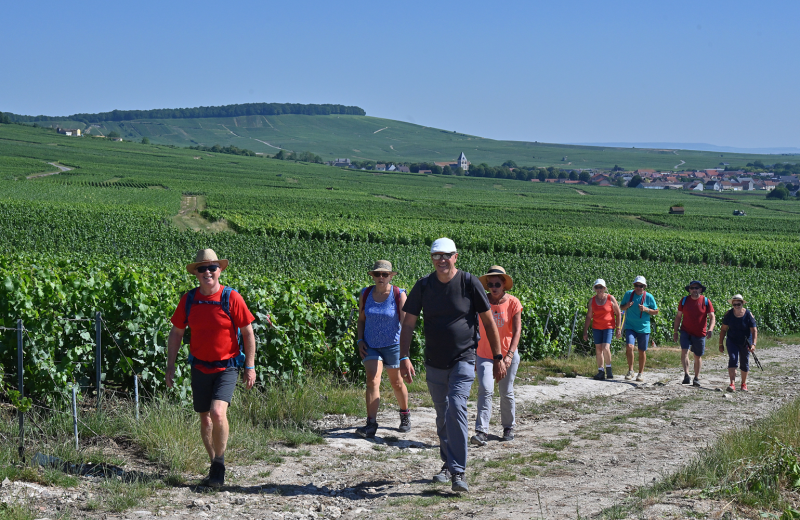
359, 341
402, 358
249, 368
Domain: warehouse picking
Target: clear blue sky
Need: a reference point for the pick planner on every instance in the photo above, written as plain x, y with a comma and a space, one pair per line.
721, 72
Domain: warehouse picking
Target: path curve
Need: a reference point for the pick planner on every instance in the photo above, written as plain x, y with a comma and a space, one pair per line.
61, 169
679, 165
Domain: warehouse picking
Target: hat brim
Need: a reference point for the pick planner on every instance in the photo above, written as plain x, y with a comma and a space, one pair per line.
380, 271
702, 288
191, 268
508, 283
744, 302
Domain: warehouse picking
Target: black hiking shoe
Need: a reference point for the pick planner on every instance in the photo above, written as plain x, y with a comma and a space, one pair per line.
609, 374
368, 430
405, 422
686, 379
443, 475
508, 434
216, 475
479, 439
460, 483
600, 375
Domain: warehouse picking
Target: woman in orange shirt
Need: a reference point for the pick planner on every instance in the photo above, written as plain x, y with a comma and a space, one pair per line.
507, 313
604, 316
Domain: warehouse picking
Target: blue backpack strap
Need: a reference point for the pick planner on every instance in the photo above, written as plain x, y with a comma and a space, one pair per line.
188, 306
225, 301
683, 300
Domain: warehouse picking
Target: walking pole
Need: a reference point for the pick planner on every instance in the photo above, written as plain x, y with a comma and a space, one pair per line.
571, 334
136, 394
98, 362
75, 414
21, 388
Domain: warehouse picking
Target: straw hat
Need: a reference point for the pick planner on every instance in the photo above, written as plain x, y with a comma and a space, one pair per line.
737, 297
206, 256
382, 266
496, 270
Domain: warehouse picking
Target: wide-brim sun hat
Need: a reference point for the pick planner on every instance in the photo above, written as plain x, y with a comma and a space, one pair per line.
206, 256
443, 245
641, 280
696, 282
737, 297
497, 270
382, 266
599, 281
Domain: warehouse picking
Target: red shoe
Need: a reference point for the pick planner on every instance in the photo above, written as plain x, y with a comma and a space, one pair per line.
743, 388
731, 388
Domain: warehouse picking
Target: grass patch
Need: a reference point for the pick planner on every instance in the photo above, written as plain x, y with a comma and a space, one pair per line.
556, 445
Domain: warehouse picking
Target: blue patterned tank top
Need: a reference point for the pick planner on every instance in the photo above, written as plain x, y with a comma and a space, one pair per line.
381, 328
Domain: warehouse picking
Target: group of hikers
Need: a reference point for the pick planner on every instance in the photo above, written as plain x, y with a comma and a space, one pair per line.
472, 329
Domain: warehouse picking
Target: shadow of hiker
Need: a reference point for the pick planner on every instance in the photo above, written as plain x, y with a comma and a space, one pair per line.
367, 490
90, 469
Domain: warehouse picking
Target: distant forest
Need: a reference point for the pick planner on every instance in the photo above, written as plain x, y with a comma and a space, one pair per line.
246, 109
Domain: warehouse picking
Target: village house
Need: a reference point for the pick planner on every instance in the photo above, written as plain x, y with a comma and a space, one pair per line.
69, 131
713, 185
342, 163
403, 169
380, 167
693, 186
426, 172
461, 162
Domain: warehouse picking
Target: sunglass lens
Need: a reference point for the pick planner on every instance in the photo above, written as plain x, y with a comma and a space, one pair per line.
204, 268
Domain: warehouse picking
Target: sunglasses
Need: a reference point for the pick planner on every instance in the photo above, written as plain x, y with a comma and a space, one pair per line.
204, 268
491, 285
694, 288
638, 285
599, 287
380, 275
737, 304
439, 256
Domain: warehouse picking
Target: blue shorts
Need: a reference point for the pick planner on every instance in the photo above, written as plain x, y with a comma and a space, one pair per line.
389, 355
642, 338
696, 344
602, 335
738, 355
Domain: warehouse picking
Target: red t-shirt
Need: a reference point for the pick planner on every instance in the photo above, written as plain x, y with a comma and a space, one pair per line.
213, 334
695, 313
503, 315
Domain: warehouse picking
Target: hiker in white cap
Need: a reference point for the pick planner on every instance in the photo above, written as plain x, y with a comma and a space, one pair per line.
452, 301
214, 313
639, 305
604, 315
739, 325
380, 312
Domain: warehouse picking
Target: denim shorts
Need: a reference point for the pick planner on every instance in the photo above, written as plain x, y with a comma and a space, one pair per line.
389, 355
633, 337
602, 335
697, 344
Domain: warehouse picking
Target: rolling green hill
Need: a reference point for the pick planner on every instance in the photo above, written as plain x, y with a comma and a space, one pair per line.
372, 138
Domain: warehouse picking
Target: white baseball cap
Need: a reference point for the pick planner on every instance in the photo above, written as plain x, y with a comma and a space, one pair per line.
597, 282
443, 245
641, 280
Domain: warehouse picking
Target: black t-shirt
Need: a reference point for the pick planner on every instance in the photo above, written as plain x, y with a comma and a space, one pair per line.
450, 319
739, 328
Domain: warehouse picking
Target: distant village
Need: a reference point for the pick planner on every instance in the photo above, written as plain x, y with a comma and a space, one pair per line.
716, 179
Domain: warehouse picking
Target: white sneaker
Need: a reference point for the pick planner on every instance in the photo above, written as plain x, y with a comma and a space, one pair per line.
629, 375
639, 377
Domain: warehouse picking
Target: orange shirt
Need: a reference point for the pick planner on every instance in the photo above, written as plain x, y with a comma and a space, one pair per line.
603, 315
503, 314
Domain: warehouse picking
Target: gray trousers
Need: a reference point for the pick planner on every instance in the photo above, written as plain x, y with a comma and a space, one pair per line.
449, 390
486, 392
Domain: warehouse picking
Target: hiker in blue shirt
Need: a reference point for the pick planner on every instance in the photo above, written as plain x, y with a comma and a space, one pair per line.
639, 306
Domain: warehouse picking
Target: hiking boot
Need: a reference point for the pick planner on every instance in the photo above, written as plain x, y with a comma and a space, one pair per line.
460, 483
743, 388
609, 374
508, 434
216, 475
600, 375
639, 377
443, 475
696, 381
731, 388
368, 430
686, 379
479, 439
629, 375
405, 422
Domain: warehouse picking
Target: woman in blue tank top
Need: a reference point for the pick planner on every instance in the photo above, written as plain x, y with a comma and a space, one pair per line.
380, 313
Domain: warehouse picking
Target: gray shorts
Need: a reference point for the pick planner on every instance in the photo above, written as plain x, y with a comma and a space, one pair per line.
218, 386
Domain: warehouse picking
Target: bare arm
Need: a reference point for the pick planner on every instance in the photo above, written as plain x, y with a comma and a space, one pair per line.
494, 342
676, 326
754, 332
401, 314
723, 331
589, 315
711, 325
249, 340
362, 320
173, 346
516, 331
406, 332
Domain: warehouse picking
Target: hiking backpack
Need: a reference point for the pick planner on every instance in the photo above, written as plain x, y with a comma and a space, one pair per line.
395, 289
225, 303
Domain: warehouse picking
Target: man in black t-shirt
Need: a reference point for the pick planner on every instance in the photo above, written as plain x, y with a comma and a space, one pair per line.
452, 301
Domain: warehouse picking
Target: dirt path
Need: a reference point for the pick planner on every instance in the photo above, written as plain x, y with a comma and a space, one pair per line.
581, 446
679, 165
61, 169
189, 216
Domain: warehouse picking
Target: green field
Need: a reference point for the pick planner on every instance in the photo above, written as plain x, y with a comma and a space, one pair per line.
112, 235
377, 139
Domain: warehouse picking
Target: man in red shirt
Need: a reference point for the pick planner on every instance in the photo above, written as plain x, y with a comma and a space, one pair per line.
690, 324
213, 350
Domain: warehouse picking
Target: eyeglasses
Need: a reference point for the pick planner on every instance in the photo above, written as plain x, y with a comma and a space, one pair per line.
599, 287
381, 275
204, 268
638, 285
439, 256
737, 304
491, 285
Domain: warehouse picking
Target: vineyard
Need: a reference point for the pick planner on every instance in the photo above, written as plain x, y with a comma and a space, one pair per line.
302, 237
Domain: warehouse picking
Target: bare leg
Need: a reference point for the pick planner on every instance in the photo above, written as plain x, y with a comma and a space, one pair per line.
374, 367
642, 358
629, 356
607, 353
732, 374
399, 387
744, 377
218, 417
598, 348
698, 363
685, 360
206, 433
